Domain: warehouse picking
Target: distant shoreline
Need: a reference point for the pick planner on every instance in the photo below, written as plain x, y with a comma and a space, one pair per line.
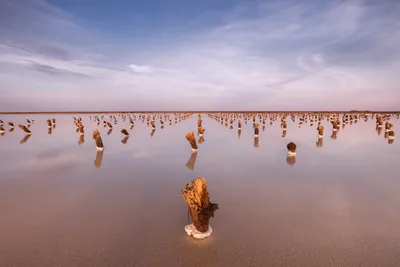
188, 111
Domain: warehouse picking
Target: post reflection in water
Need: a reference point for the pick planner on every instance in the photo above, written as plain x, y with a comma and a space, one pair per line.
256, 142
320, 142
291, 160
26, 138
125, 140
239, 133
379, 130
152, 132
201, 140
192, 161
390, 141
81, 139
109, 131
284, 134
99, 159
334, 135
50, 130
11, 129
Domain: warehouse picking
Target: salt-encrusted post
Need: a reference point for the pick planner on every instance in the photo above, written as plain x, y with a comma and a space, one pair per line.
200, 208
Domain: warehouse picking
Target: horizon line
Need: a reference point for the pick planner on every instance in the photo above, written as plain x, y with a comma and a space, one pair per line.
196, 111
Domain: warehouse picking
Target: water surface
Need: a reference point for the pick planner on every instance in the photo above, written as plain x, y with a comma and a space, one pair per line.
65, 204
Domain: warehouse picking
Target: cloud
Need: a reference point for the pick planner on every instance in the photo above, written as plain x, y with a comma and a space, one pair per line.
141, 69
54, 71
254, 55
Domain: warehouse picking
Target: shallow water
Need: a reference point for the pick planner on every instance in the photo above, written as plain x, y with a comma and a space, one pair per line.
64, 204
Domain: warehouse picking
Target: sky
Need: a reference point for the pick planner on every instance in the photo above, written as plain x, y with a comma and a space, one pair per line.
123, 55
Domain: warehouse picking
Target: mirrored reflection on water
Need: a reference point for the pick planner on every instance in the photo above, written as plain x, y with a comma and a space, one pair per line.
192, 161
333, 204
99, 159
26, 138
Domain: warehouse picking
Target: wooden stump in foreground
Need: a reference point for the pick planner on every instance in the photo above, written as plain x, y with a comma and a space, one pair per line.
199, 207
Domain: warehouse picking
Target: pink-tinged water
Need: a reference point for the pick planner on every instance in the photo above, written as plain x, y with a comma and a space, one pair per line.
336, 206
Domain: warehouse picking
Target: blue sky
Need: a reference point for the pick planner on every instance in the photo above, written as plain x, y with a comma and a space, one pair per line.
216, 55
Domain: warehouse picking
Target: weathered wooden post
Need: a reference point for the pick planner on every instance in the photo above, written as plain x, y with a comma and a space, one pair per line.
26, 130
125, 132
97, 139
11, 124
49, 124
388, 126
320, 130
192, 141
239, 124
391, 135
291, 149
256, 129
200, 208
2, 130
201, 131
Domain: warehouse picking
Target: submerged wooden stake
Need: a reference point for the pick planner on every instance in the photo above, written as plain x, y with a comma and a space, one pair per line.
192, 141
97, 139
26, 130
200, 208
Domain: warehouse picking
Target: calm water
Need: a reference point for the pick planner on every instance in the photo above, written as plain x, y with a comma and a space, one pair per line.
338, 205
